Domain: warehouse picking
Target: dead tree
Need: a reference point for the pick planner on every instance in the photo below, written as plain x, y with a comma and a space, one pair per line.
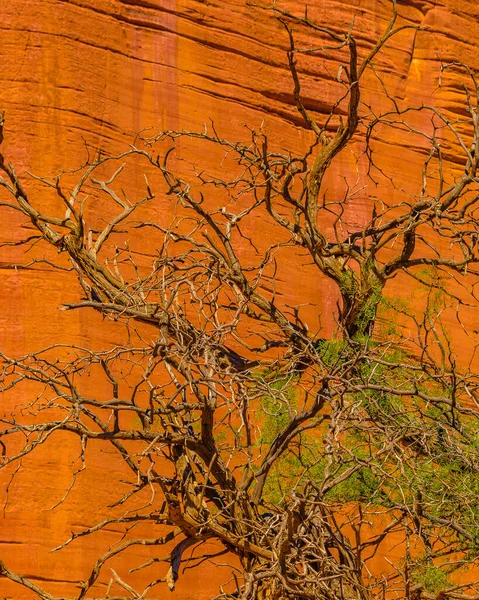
300, 453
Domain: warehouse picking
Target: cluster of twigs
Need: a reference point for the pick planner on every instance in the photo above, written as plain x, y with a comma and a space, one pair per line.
300, 453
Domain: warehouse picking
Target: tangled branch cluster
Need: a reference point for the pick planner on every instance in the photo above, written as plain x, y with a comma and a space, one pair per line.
301, 454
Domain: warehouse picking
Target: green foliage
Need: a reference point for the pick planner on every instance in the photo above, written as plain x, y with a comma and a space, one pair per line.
389, 312
303, 458
431, 577
220, 436
331, 352
410, 451
277, 409
363, 294
368, 308
362, 486
348, 283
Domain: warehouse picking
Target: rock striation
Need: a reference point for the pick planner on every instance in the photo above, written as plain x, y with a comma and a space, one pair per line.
92, 73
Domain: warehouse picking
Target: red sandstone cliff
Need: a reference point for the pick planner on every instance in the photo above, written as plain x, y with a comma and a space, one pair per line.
104, 69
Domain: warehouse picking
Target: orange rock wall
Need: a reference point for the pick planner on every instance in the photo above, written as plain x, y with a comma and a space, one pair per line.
104, 69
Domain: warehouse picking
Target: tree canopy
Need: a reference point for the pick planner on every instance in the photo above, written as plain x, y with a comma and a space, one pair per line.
302, 447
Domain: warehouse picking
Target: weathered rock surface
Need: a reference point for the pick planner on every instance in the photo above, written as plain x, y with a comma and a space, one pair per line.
101, 70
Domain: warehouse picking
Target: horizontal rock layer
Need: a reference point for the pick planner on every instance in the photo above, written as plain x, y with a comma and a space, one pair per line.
98, 71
